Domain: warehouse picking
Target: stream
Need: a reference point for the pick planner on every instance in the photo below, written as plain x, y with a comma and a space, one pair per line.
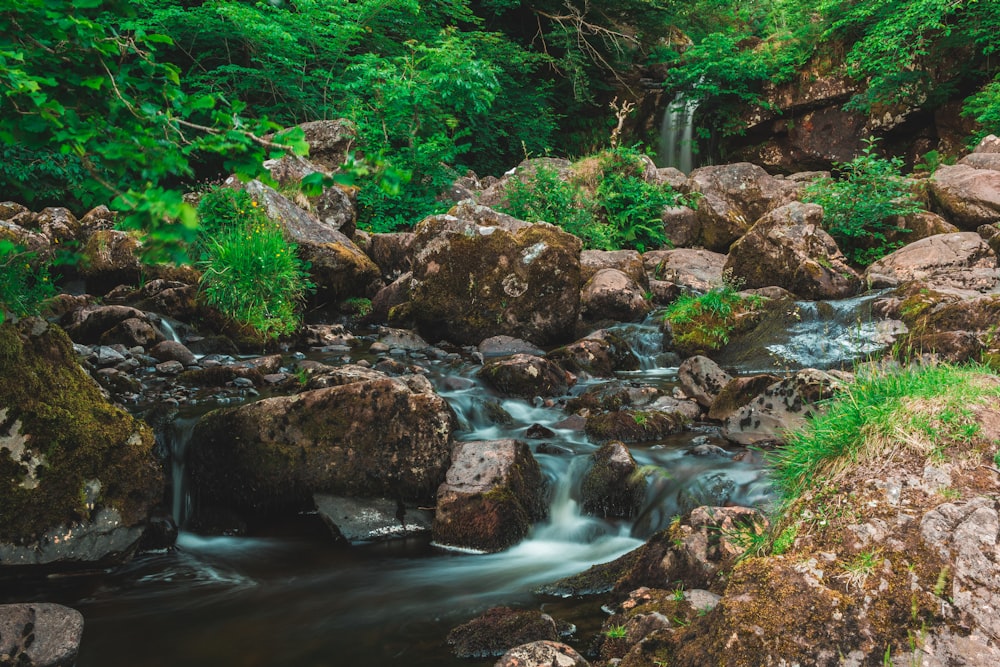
289, 595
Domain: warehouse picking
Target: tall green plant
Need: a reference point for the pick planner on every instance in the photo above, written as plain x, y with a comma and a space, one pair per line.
861, 205
24, 281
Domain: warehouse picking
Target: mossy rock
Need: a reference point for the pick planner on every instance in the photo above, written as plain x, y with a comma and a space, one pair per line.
65, 451
634, 426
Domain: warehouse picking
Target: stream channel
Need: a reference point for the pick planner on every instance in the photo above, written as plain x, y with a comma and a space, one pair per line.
287, 594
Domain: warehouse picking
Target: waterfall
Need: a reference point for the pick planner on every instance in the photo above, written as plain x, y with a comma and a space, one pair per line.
676, 147
176, 437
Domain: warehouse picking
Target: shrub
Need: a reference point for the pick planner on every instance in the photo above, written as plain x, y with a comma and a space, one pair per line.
859, 207
250, 272
24, 282
546, 197
703, 323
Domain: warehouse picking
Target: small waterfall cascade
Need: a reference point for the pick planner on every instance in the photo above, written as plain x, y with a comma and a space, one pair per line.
676, 148
176, 437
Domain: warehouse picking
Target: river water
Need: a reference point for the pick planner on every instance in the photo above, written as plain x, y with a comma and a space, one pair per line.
289, 595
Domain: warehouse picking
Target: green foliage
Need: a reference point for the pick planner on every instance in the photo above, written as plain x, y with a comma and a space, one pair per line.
984, 107
545, 197
616, 632
250, 272
860, 206
24, 281
704, 322
878, 412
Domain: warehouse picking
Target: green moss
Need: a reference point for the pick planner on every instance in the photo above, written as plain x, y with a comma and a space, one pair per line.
80, 436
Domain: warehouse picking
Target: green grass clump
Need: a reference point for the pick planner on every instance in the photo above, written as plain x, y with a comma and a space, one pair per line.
250, 271
918, 408
703, 323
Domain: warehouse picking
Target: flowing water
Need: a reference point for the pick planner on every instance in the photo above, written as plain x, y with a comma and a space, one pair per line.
288, 595
676, 146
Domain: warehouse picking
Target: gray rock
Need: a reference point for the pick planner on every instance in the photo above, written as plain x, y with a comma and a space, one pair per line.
103, 540
39, 634
371, 519
702, 379
542, 654
961, 261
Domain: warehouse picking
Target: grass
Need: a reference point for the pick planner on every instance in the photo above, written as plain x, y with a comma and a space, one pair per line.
919, 408
703, 323
858, 569
615, 632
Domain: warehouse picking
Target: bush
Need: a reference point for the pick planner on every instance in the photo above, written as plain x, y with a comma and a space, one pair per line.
24, 282
703, 323
860, 206
250, 272
546, 197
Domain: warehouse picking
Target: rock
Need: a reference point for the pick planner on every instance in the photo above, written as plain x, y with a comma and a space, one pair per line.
131, 332
58, 225
40, 634
500, 629
702, 379
628, 262
170, 350
78, 477
788, 248
390, 303
478, 273
109, 258
611, 488
961, 261
966, 196
681, 226
599, 355
338, 267
527, 376
359, 520
737, 393
494, 491
392, 253
612, 295
89, 324
542, 654
370, 438
634, 426
329, 141
733, 197
505, 346
782, 407
696, 269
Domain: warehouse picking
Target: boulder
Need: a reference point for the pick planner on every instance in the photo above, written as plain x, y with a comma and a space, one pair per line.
635, 426
391, 252
694, 268
478, 273
329, 141
505, 346
612, 488
493, 493
170, 350
359, 520
370, 438
965, 195
788, 248
702, 379
782, 407
500, 629
391, 303
681, 226
89, 324
109, 258
628, 262
527, 376
599, 355
737, 393
78, 477
612, 295
39, 634
131, 332
961, 261
56, 224
733, 196
338, 267
542, 654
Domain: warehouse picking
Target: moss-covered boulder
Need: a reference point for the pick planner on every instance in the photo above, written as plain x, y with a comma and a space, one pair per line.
611, 488
500, 629
634, 426
370, 438
478, 273
494, 491
69, 460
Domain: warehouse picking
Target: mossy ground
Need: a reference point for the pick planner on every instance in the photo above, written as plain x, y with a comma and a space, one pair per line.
81, 436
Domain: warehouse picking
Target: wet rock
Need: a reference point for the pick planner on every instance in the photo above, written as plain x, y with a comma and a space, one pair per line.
500, 629
599, 355
391, 252
789, 248
527, 376
170, 350
611, 488
695, 269
961, 261
359, 520
542, 654
733, 197
390, 304
505, 346
39, 634
702, 379
493, 492
401, 339
368, 439
78, 477
782, 407
478, 273
737, 393
628, 262
634, 426
965, 195
90, 323
612, 295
